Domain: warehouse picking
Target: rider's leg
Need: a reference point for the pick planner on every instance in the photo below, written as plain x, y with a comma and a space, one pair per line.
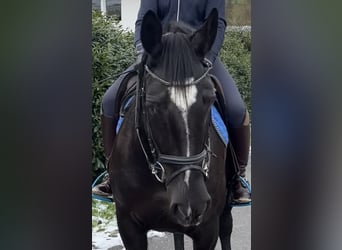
237, 122
108, 135
108, 124
109, 119
240, 138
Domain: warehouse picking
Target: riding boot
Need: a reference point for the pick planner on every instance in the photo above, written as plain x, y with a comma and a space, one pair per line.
240, 139
108, 135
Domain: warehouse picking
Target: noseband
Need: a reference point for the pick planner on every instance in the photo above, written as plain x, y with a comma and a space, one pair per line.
155, 159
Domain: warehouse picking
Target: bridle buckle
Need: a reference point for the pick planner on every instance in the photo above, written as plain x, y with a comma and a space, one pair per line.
158, 171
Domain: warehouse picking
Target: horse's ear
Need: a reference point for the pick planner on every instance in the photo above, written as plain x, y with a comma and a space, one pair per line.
204, 37
151, 33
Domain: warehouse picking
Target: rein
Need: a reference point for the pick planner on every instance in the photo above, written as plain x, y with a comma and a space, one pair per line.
154, 158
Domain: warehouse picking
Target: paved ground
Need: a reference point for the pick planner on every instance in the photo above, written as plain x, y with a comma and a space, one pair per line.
241, 237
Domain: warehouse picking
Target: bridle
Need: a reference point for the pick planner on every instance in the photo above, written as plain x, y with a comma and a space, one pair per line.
154, 157
168, 84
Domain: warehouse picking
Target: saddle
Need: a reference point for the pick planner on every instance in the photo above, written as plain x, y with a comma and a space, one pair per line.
125, 92
220, 101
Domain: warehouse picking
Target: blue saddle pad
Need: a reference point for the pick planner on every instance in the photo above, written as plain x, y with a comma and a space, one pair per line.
129, 101
216, 120
219, 125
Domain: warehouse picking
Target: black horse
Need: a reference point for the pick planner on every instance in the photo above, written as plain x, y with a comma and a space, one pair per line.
168, 163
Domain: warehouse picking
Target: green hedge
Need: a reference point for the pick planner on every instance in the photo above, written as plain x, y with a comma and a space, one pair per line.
113, 52
236, 55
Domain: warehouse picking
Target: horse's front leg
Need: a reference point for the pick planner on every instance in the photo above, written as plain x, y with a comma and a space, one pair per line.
178, 239
226, 227
133, 236
205, 238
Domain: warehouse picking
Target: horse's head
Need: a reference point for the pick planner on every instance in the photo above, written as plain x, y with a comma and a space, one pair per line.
179, 94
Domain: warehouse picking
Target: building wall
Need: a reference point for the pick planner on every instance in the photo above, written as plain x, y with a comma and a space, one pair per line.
237, 12
113, 7
129, 12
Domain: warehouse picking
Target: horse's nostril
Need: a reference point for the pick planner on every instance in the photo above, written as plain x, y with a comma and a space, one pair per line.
174, 208
182, 211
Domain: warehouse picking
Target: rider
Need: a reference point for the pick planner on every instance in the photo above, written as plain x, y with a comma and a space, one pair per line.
236, 117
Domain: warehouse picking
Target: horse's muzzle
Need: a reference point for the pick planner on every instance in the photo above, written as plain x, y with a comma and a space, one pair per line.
190, 215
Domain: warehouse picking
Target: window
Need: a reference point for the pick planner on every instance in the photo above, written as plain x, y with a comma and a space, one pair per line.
113, 7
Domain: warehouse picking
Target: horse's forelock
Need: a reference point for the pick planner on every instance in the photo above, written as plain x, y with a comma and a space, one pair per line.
179, 62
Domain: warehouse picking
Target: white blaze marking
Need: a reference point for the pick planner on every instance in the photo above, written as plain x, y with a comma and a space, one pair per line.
184, 103
187, 177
